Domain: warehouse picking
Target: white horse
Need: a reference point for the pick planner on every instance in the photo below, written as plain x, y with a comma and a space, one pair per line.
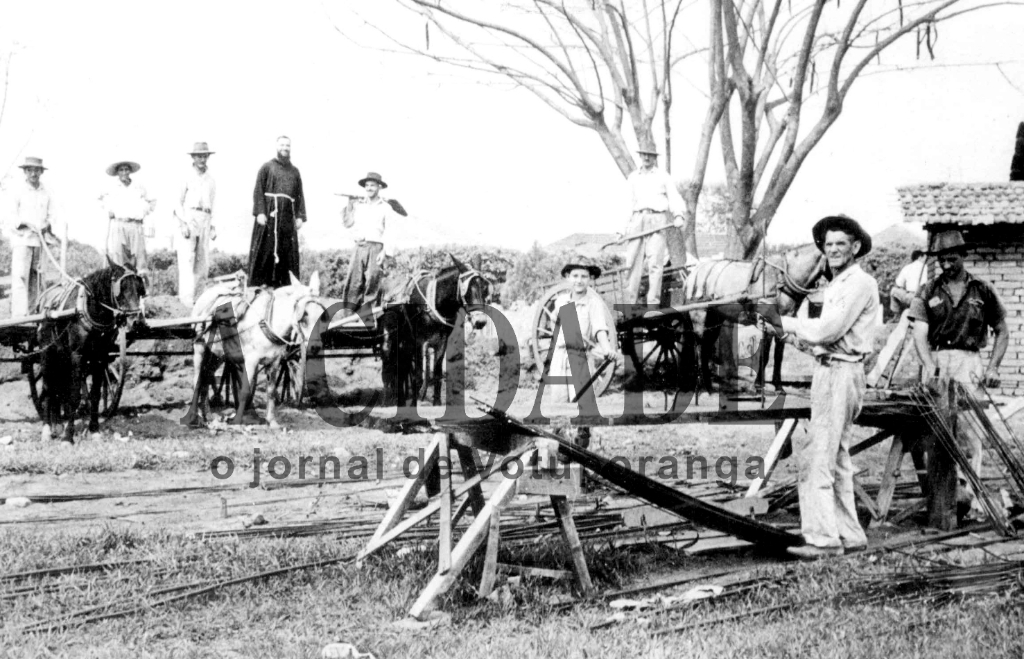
257, 333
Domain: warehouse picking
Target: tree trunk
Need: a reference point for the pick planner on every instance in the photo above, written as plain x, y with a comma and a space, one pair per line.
1017, 164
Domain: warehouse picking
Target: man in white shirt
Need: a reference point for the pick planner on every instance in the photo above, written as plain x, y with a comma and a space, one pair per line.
127, 204
654, 199
29, 212
907, 283
195, 219
367, 219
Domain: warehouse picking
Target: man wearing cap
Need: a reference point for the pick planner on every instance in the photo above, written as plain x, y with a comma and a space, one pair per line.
368, 219
127, 204
195, 220
596, 325
29, 212
280, 211
840, 339
954, 312
654, 198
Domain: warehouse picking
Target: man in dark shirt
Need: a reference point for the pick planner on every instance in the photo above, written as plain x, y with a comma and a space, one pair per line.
954, 312
280, 210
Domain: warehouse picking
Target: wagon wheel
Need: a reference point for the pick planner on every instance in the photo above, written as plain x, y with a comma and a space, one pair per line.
111, 387
543, 335
291, 378
662, 353
31, 366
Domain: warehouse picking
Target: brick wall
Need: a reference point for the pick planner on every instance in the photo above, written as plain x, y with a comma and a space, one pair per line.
997, 256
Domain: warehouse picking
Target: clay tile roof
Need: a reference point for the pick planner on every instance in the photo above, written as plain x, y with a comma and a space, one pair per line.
963, 203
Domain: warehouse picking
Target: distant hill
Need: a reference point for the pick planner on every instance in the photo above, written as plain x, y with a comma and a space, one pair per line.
901, 234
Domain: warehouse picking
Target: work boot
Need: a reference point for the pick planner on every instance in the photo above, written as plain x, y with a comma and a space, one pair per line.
814, 553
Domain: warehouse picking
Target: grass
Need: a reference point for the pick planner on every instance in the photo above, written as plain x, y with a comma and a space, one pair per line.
296, 614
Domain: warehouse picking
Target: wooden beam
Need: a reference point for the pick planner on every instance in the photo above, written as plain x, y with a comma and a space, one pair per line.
407, 494
889, 477
771, 458
490, 573
865, 498
877, 438
444, 537
466, 547
563, 511
893, 348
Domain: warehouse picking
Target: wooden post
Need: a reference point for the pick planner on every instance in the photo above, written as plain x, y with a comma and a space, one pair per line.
772, 457
942, 469
563, 511
465, 549
469, 470
490, 574
394, 514
444, 540
889, 476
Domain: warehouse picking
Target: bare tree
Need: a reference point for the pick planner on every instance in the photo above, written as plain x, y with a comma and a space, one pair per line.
778, 73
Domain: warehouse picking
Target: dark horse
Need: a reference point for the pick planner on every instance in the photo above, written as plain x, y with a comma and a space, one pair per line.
783, 281
422, 324
80, 345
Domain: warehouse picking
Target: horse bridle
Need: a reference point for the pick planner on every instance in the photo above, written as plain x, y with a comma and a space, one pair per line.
296, 331
789, 285
465, 280
115, 292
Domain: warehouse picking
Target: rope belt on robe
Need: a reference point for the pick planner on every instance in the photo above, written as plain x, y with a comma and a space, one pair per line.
273, 214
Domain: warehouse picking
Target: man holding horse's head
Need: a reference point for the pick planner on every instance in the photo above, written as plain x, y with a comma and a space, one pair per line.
596, 324
840, 339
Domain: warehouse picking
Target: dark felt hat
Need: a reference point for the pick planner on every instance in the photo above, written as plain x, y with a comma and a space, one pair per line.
372, 176
845, 224
648, 146
582, 263
948, 241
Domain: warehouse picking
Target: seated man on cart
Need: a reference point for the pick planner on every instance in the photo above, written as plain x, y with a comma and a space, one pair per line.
597, 327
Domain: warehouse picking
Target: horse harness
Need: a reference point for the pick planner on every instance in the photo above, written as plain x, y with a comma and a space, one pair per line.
430, 295
87, 320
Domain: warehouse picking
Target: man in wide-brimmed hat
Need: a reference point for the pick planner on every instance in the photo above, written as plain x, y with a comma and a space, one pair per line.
840, 339
127, 204
954, 312
597, 326
655, 203
195, 221
29, 215
369, 219
279, 208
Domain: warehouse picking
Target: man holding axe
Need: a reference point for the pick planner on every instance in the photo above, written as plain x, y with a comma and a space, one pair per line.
654, 199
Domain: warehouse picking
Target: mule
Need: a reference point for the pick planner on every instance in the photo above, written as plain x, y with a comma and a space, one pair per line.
264, 326
784, 281
76, 347
421, 326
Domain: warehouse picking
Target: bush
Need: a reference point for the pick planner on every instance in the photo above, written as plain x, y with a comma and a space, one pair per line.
533, 272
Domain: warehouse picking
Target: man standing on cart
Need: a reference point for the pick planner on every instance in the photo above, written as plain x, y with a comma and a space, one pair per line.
654, 200
195, 220
127, 204
29, 213
280, 210
369, 220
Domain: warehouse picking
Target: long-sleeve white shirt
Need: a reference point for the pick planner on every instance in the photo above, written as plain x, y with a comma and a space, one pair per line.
26, 206
197, 192
127, 202
849, 317
370, 222
654, 189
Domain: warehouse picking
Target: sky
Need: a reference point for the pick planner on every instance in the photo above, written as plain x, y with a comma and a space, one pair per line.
91, 83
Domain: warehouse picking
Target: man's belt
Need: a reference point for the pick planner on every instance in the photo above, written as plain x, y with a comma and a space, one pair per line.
202, 210
946, 347
827, 359
364, 241
128, 219
650, 210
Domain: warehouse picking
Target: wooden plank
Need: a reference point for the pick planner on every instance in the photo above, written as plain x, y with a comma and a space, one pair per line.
563, 511
771, 458
465, 549
566, 481
468, 462
889, 477
893, 345
865, 498
37, 318
873, 440
543, 573
444, 539
747, 506
408, 493
490, 573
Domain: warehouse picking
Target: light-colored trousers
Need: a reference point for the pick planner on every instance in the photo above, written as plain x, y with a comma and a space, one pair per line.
193, 257
828, 517
26, 278
966, 368
653, 248
126, 243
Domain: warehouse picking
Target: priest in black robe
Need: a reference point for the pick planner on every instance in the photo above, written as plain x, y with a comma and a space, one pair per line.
280, 210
